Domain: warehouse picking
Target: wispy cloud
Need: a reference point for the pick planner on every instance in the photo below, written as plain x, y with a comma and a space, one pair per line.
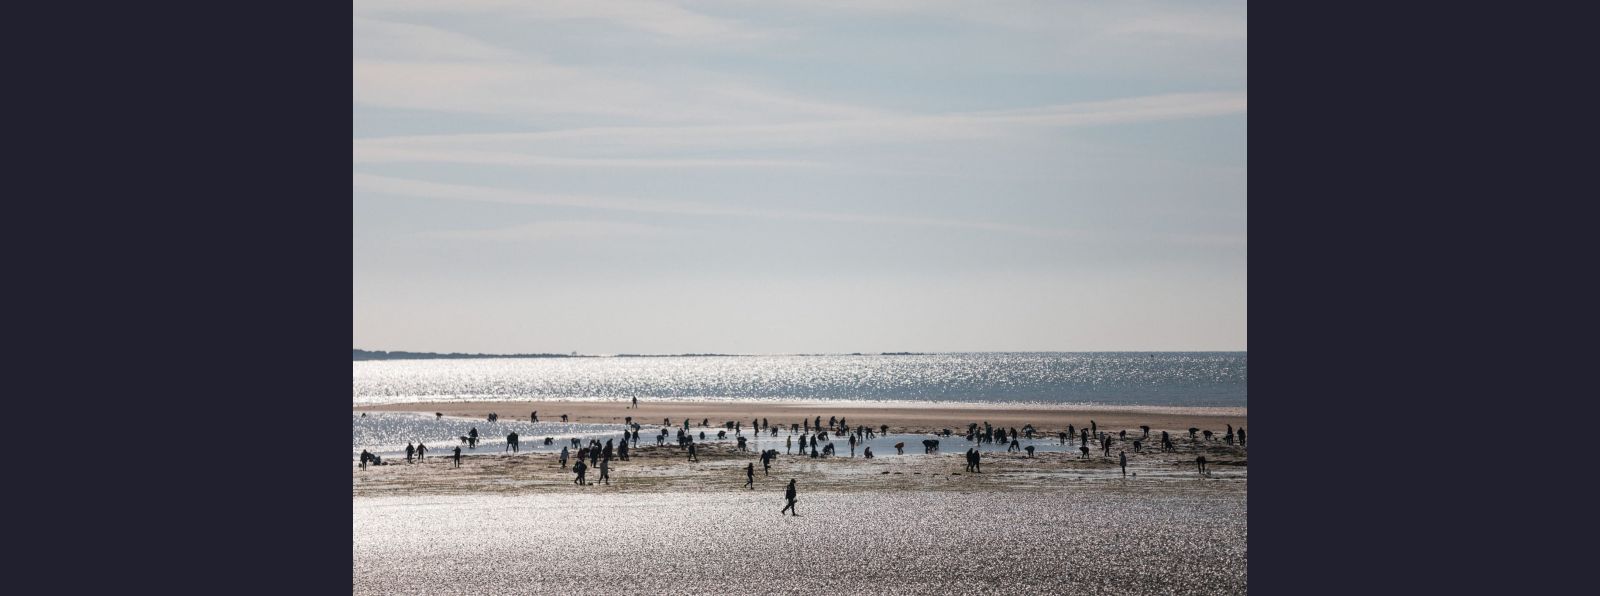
661, 18
457, 192
555, 230
377, 39
883, 129
373, 153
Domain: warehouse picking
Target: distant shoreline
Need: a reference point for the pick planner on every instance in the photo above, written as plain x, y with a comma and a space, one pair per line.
359, 355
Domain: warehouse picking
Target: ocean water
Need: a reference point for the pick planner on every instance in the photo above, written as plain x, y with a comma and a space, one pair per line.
1192, 379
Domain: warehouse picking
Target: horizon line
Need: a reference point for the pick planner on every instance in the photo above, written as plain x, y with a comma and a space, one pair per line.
863, 353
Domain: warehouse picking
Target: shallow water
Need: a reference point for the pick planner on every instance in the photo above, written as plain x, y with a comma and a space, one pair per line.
1167, 379
386, 434
1071, 541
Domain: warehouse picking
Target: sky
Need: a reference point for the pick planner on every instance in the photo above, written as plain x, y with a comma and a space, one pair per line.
640, 176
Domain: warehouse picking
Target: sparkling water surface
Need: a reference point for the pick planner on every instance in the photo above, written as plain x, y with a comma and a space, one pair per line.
1055, 541
1116, 378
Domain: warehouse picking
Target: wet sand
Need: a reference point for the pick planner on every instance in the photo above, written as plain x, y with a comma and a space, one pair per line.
912, 524
909, 417
1188, 538
721, 469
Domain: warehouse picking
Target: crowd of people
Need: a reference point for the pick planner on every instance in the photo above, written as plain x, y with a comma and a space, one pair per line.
816, 440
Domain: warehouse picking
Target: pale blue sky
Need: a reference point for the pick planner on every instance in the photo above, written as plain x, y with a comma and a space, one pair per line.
819, 176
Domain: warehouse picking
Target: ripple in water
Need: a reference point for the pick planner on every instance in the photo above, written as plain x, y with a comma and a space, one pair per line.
1168, 379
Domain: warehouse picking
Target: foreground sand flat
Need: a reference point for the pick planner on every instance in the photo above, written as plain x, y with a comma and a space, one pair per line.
1178, 538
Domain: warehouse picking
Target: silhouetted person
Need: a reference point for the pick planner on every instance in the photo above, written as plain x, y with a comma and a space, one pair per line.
1201, 462
1105, 447
635, 403
579, 469
852, 445
750, 476
977, 461
563, 417
1030, 451
1094, 429
534, 417
1015, 446
511, 442
366, 456
1146, 430
885, 429
422, 451
791, 496
438, 415
692, 455
788, 444
969, 459
1206, 434
564, 455
1071, 432
867, 453
1063, 437
900, 448
1136, 444
457, 462
605, 471
1166, 441
622, 451
410, 451
1084, 450
1122, 434
1122, 456
1241, 436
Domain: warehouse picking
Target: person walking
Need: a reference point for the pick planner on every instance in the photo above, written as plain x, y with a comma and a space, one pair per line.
457, 462
750, 476
579, 468
1122, 456
605, 471
410, 451
790, 495
422, 451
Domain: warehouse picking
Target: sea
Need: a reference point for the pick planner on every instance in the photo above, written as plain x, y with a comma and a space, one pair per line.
1187, 379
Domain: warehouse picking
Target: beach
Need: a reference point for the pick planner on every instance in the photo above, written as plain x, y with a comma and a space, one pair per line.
1181, 539
913, 523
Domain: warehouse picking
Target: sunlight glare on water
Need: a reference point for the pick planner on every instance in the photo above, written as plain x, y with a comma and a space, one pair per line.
1174, 379
1058, 541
